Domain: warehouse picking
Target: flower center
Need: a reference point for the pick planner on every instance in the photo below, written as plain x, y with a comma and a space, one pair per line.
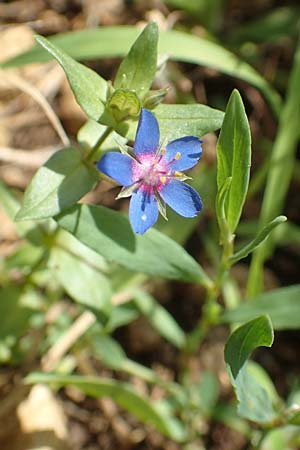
152, 172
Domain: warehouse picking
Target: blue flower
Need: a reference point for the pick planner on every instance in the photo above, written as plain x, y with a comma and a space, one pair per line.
152, 174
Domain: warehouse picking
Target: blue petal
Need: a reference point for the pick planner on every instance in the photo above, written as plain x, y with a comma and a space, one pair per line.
117, 166
147, 136
182, 198
189, 149
143, 211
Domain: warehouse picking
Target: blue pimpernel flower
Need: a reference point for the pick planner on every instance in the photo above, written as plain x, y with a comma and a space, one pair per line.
152, 174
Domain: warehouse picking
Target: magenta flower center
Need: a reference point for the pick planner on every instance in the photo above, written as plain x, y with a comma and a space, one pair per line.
152, 172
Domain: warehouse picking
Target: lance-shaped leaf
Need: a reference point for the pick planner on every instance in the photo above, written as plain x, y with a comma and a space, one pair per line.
160, 318
105, 42
234, 157
258, 240
57, 185
109, 233
68, 258
254, 400
176, 121
88, 87
138, 68
282, 305
123, 394
181, 120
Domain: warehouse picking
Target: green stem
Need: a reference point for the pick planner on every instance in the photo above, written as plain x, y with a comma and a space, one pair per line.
98, 144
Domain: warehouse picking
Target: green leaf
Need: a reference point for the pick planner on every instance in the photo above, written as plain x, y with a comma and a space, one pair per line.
276, 24
112, 355
122, 315
280, 172
234, 157
57, 185
282, 305
176, 121
283, 438
90, 133
245, 339
68, 258
106, 42
123, 394
254, 400
109, 233
205, 393
82, 281
159, 318
221, 199
138, 68
181, 120
108, 350
28, 230
258, 240
88, 87
14, 315
25, 257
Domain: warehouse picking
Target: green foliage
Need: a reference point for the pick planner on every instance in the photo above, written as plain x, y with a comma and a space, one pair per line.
254, 400
109, 233
159, 318
138, 68
234, 158
179, 120
121, 393
115, 41
258, 240
57, 185
90, 254
282, 305
89, 89
91, 288
280, 171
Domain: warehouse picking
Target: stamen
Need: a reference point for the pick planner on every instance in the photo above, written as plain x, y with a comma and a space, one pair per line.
177, 156
163, 179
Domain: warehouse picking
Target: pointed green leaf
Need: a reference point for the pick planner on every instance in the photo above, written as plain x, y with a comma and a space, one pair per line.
255, 403
181, 120
57, 185
282, 305
106, 42
258, 240
176, 121
234, 157
245, 339
123, 394
28, 230
160, 318
138, 68
109, 233
221, 199
83, 282
88, 87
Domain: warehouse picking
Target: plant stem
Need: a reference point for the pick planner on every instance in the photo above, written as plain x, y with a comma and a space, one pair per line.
98, 144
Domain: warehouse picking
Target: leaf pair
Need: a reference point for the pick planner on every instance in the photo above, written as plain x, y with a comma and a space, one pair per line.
233, 173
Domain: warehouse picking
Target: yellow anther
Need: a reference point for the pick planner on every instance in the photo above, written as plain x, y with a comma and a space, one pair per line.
163, 179
178, 174
163, 151
177, 156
